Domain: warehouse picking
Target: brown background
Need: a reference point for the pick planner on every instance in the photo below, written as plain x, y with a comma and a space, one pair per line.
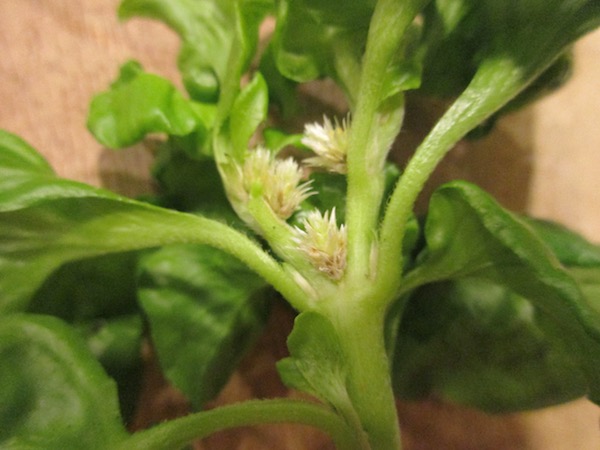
54, 54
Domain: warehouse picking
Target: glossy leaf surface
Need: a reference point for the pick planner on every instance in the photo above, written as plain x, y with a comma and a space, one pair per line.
208, 31
137, 104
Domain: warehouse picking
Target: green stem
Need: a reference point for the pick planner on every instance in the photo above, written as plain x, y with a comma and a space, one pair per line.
177, 433
177, 227
279, 235
365, 153
495, 83
360, 330
277, 232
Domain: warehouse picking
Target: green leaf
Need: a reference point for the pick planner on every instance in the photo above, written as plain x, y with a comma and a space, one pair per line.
204, 309
117, 344
282, 90
469, 235
101, 287
16, 155
39, 238
203, 29
315, 39
137, 104
467, 232
207, 30
580, 257
188, 183
248, 112
54, 394
570, 248
26, 178
327, 39
475, 342
316, 362
498, 48
46, 222
98, 297
461, 34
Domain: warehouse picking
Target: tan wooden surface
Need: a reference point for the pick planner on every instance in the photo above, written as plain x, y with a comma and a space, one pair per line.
54, 54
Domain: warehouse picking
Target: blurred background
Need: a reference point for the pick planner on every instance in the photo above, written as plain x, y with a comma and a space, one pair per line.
55, 54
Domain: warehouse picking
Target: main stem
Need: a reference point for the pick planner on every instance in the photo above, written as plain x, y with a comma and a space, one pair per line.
365, 159
360, 330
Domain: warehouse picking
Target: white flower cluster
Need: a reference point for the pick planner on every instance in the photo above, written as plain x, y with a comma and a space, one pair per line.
278, 180
329, 142
324, 243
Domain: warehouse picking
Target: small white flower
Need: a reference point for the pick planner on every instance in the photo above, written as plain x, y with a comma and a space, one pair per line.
279, 181
324, 243
330, 143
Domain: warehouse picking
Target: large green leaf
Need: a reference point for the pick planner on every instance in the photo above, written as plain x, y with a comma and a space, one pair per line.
98, 297
39, 238
18, 156
461, 34
46, 221
54, 394
572, 249
469, 238
204, 309
475, 342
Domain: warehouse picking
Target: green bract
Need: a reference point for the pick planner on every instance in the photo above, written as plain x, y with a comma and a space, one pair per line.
473, 304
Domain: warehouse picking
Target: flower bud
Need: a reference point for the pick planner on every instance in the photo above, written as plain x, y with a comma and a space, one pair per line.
324, 243
278, 181
330, 143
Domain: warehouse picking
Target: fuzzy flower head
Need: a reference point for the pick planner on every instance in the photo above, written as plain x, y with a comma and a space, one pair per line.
324, 243
279, 181
329, 142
